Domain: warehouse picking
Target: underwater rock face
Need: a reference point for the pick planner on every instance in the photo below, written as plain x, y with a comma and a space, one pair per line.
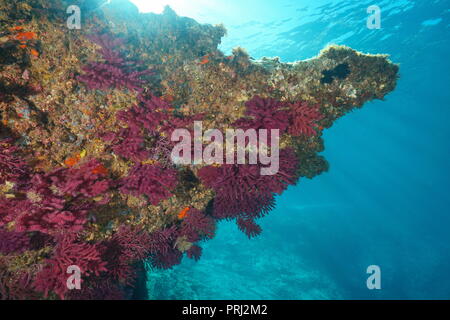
87, 118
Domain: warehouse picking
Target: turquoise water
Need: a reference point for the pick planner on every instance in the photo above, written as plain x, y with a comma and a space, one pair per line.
385, 200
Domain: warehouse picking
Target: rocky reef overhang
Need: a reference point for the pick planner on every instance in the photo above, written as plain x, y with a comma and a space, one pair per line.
86, 119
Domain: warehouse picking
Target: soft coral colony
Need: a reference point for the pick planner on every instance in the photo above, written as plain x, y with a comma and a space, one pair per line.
86, 177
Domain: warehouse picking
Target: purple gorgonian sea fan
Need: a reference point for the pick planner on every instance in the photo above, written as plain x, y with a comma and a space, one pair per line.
128, 143
155, 115
243, 192
69, 251
15, 285
115, 71
140, 122
146, 130
163, 251
149, 113
197, 226
304, 119
264, 113
151, 180
126, 247
13, 242
12, 167
194, 252
57, 201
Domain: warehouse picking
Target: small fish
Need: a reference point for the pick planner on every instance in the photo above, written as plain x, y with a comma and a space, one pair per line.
18, 28
23, 36
70, 162
34, 52
168, 98
23, 46
100, 169
183, 213
204, 60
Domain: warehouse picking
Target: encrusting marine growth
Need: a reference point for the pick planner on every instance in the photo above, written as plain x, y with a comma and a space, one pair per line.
86, 119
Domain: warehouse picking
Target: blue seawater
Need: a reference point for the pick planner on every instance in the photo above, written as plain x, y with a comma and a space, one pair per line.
385, 200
